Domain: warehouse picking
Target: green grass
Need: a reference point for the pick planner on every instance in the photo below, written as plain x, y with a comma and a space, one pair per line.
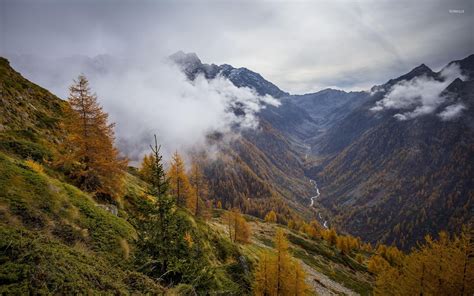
24, 148
32, 262
56, 240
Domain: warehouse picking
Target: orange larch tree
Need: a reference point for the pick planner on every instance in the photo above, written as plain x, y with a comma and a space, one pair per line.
89, 156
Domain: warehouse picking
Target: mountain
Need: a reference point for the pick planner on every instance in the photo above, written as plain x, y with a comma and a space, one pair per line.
56, 74
381, 178
306, 118
260, 170
240, 77
396, 180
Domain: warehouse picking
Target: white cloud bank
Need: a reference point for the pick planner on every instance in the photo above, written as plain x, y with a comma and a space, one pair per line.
452, 112
151, 95
421, 95
160, 100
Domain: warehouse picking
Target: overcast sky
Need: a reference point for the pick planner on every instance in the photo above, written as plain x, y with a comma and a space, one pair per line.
300, 46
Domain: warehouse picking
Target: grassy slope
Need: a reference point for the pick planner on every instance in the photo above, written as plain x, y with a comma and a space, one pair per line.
328, 271
56, 239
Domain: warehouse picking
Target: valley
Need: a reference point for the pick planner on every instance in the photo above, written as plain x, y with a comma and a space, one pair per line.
237, 148
355, 153
319, 162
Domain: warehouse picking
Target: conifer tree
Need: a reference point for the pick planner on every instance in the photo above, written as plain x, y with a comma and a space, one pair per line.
264, 284
160, 228
342, 244
438, 267
243, 231
179, 183
330, 236
271, 217
278, 273
238, 228
298, 280
146, 167
158, 179
88, 155
200, 188
283, 261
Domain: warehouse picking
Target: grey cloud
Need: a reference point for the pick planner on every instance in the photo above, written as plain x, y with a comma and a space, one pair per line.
300, 46
452, 111
146, 97
420, 96
158, 98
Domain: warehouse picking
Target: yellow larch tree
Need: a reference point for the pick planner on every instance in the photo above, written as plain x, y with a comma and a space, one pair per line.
439, 267
146, 167
283, 263
278, 273
330, 236
271, 217
200, 188
88, 154
264, 284
180, 187
298, 280
238, 228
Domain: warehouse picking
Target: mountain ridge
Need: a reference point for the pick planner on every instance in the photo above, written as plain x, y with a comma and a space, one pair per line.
240, 77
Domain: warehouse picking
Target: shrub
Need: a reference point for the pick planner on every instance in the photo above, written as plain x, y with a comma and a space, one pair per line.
34, 166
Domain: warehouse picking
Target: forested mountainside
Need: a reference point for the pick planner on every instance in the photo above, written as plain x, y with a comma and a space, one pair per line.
382, 178
261, 170
66, 231
396, 180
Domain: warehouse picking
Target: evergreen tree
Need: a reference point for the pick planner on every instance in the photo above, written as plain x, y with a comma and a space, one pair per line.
156, 174
170, 250
159, 228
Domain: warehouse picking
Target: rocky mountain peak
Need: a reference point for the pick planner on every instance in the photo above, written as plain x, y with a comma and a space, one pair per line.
240, 77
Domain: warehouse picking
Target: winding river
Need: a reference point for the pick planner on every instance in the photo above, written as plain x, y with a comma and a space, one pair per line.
325, 224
